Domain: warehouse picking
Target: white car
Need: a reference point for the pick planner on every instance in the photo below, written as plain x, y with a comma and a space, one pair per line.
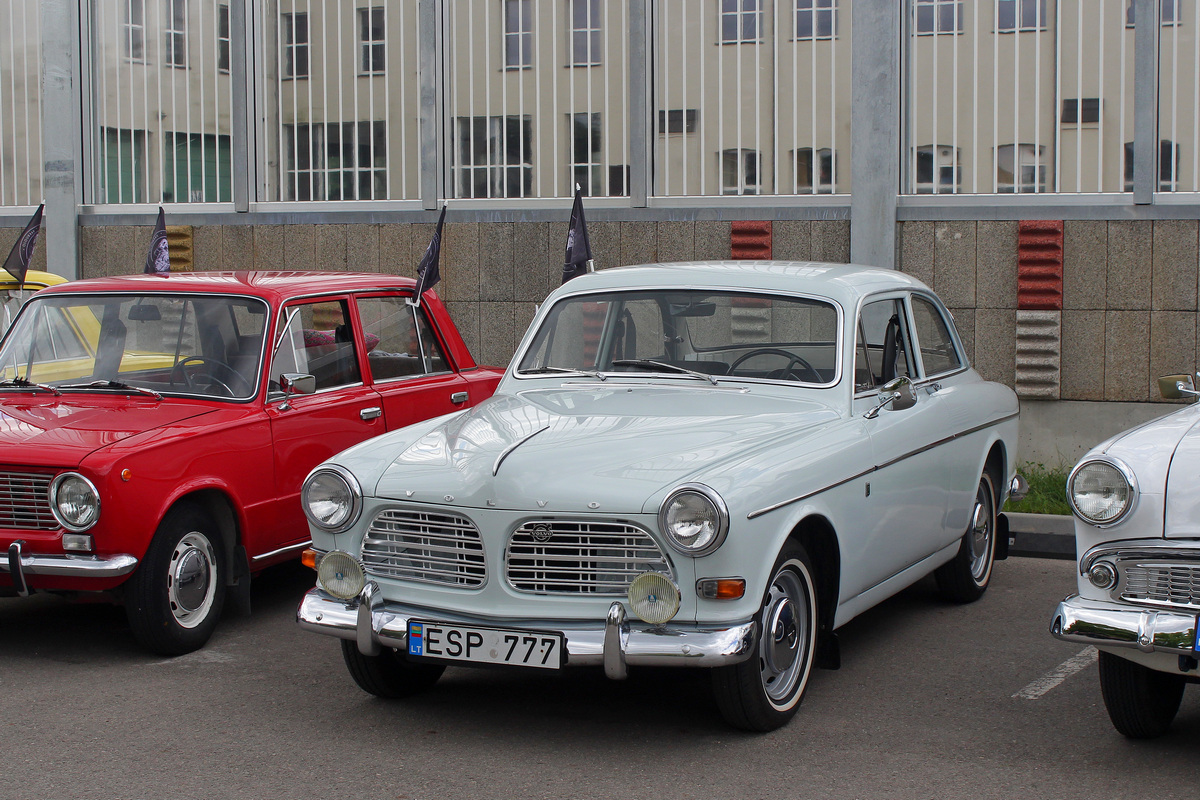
709, 465
1136, 499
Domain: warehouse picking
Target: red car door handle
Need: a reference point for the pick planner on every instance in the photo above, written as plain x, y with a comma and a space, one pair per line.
370, 413
459, 397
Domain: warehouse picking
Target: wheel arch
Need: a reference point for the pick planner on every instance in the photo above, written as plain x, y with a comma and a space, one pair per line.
996, 465
816, 535
220, 508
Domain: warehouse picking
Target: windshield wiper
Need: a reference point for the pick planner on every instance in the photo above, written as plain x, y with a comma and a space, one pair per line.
647, 363
124, 387
21, 383
564, 371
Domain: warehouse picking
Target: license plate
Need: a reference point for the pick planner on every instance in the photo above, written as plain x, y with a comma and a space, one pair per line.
485, 645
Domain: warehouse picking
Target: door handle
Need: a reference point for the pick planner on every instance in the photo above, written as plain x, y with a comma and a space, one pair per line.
459, 397
370, 413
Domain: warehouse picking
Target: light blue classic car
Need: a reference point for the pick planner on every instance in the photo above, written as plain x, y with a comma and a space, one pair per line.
706, 465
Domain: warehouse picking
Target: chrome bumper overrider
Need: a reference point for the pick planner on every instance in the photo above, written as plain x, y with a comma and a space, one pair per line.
19, 565
1105, 624
613, 643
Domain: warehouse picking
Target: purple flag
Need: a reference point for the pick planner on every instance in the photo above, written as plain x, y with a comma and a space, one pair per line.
158, 261
428, 272
579, 249
18, 259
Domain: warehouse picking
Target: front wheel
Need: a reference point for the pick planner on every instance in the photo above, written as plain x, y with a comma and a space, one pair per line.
763, 692
388, 674
174, 599
965, 578
1141, 702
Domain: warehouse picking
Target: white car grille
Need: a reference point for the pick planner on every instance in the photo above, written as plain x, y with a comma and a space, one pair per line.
25, 501
591, 558
1169, 584
426, 547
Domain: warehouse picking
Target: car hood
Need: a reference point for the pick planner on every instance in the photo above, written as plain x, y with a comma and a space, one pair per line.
590, 449
62, 431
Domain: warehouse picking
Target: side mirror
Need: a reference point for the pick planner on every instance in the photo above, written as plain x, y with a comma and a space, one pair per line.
1177, 387
297, 383
899, 392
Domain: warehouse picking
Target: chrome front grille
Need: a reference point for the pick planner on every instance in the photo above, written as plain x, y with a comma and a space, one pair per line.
425, 547
1161, 583
590, 558
25, 501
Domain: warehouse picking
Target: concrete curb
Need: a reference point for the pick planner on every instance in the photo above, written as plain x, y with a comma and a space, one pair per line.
1041, 535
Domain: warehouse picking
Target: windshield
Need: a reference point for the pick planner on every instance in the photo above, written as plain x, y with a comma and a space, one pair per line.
206, 345
685, 332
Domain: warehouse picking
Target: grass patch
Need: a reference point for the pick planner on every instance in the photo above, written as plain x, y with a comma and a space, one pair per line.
1047, 490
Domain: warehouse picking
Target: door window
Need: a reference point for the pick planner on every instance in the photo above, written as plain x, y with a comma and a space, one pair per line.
318, 341
883, 345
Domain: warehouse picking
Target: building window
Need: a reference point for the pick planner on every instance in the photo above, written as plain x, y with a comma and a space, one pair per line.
1021, 168
493, 156
1168, 162
816, 19
585, 33
814, 180
1020, 15
124, 166
370, 40
741, 21
223, 38
518, 34
175, 52
587, 171
677, 120
740, 171
939, 16
295, 45
133, 31
336, 161
197, 169
1083, 110
937, 169
1168, 12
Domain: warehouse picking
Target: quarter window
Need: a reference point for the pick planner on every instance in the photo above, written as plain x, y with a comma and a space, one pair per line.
881, 352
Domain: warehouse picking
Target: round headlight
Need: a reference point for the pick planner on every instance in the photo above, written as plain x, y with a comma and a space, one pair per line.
1101, 492
74, 501
694, 519
331, 498
654, 598
340, 575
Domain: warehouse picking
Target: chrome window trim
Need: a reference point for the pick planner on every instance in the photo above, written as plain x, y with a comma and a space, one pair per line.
1126, 473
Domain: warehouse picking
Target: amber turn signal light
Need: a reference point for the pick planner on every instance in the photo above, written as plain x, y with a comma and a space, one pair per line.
721, 588
309, 558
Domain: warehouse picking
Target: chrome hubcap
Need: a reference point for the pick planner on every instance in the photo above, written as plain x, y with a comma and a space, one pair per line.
784, 645
981, 533
192, 579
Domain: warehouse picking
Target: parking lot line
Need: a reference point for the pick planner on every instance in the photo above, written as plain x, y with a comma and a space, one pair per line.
1086, 657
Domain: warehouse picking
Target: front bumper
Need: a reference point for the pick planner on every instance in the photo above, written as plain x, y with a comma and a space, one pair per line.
373, 622
1107, 624
18, 565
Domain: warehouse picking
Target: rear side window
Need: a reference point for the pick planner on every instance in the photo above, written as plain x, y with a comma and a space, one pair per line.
938, 353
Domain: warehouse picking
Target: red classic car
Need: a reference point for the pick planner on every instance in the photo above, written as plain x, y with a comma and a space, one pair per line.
155, 431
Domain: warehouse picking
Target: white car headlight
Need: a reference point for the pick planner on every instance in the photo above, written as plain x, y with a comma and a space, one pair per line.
331, 498
694, 519
1102, 492
74, 501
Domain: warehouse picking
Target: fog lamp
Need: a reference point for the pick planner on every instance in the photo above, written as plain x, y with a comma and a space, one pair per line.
1103, 575
80, 542
654, 597
340, 575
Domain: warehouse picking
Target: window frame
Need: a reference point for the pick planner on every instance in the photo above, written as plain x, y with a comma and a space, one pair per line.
175, 35
742, 157
372, 52
736, 11
592, 34
224, 54
1038, 163
594, 178
292, 47
937, 10
518, 28
496, 167
133, 31
1019, 8
818, 158
815, 10
937, 170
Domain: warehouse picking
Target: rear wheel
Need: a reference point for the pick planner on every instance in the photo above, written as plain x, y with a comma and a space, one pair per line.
965, 578
1141, 702
388, 674
763, 692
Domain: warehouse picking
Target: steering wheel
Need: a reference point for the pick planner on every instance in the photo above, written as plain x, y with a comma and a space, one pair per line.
794, 360
207, 372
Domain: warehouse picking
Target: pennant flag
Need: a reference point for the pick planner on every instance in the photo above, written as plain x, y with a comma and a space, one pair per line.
579, 249
18, 259
427, 272
158, 261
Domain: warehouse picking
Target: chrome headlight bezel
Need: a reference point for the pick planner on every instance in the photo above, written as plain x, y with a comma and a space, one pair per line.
87, 521
720, 511
352, 506
1122, 470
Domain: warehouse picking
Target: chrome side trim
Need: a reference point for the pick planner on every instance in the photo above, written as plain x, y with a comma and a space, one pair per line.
680, 645
876, 468
1100, 623
514, 446
283, 550
71, 565
1131, 549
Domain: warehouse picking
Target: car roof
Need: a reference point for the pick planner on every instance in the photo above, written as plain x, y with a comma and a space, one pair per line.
841, 282
34, 280
269, 285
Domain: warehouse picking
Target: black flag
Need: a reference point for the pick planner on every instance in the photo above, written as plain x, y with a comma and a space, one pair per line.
17, 263
579, 249
158, 261
427, 272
